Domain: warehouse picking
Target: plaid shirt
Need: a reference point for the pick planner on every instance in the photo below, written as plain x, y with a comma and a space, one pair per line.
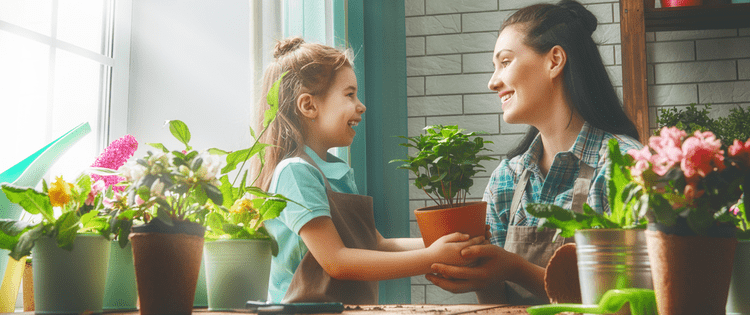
590, 147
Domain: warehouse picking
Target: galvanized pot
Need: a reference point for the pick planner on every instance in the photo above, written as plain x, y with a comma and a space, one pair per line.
611, 259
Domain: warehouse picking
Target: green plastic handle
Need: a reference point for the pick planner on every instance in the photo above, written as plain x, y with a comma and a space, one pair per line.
642, 302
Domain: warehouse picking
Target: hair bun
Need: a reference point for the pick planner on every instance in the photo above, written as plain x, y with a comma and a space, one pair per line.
286, 46
587, 19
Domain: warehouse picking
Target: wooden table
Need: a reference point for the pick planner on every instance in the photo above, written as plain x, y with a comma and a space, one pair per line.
390, 309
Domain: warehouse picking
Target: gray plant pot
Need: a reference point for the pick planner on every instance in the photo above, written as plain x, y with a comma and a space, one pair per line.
120, 292
68, 282
738, 300
611, 259
236, 271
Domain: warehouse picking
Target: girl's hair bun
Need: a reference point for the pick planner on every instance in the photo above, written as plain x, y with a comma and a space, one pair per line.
587, 19
286, 46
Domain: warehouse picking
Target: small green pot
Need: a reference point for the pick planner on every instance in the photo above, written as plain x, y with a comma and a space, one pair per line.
236, 271
67, 282
120, 292
738, 301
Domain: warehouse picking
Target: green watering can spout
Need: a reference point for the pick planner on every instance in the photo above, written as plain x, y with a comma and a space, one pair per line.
28, 173
642, 302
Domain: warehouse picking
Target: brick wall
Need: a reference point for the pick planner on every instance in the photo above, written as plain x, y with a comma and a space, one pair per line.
449, 46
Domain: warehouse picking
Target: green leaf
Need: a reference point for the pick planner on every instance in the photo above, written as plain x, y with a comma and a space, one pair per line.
101, 171
216, 151
123, 232
32, 201
213, 193
226, 191
180, 131
215, 222
239, 156
159, 146
270, 209
67, 227
273, 101
13, 227
11, 231
26, 242
87, 217
661, 208
163, 215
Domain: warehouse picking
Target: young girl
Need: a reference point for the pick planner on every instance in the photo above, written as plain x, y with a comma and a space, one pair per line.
331, 252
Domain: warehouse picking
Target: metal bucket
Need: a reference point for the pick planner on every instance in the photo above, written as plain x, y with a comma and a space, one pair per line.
611, 259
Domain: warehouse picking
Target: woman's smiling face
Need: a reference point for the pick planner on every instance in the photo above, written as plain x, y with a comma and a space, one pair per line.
519, 78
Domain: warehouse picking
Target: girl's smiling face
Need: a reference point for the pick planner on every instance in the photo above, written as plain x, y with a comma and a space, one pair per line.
340, 110
519, 78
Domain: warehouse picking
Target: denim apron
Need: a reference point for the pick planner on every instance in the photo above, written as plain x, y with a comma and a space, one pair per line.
352, 215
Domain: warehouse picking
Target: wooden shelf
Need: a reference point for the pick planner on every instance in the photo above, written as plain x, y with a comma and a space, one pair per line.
698, 17
640, 16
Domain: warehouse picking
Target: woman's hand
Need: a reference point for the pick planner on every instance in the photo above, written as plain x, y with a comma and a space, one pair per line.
448, 248
493, 265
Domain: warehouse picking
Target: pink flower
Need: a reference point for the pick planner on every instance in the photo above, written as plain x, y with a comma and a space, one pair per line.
668, 143
741, 152
661, 164
96, 188
702, 155
641, 158
114, 156
735, 209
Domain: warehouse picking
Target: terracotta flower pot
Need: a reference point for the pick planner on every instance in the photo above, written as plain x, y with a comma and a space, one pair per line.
167, 261
691, 273
680, 3
435, 222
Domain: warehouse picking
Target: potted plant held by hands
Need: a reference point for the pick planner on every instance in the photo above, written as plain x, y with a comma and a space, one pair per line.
445, 162
69, 243
238, 249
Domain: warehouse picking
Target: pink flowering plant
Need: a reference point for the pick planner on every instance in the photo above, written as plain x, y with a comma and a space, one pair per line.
689, 178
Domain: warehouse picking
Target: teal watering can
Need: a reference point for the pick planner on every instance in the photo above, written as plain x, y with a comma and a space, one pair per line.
29, 172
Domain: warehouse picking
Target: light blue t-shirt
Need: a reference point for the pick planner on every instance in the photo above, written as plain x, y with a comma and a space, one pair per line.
297, 180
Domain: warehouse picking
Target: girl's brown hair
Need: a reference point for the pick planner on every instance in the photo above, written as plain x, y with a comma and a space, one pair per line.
310, 68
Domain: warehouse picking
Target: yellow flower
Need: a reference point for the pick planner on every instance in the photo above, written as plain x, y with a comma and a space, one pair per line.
59, 193
241, 205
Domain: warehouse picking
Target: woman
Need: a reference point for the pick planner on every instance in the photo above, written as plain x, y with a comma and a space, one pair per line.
549, 75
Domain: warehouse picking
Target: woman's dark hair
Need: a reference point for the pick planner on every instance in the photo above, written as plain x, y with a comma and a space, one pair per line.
569, 25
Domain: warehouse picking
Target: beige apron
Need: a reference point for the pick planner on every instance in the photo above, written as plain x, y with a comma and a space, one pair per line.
352, 215
538, 246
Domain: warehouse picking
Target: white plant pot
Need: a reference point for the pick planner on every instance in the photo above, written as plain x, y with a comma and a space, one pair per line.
236, 271
68, 282
120, 292
738, 300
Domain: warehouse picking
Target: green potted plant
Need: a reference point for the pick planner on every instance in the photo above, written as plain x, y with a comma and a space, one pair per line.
238, 249
605, 240
171, 191
444, 164
71, 232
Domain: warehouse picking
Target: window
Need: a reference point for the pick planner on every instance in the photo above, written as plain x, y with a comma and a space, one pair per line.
57, 64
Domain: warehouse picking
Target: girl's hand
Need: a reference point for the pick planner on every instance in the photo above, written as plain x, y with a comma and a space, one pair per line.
447, 249
494, 265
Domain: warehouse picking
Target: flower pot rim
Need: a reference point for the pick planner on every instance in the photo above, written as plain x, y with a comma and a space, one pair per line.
227, 240
445, 208
178, 227
680, 229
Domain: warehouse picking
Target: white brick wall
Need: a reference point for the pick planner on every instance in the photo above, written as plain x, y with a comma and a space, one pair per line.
449, 46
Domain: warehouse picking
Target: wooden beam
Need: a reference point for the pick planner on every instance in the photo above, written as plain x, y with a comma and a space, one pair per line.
634, 77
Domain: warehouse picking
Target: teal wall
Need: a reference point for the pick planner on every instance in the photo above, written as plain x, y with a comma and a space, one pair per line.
385, 83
